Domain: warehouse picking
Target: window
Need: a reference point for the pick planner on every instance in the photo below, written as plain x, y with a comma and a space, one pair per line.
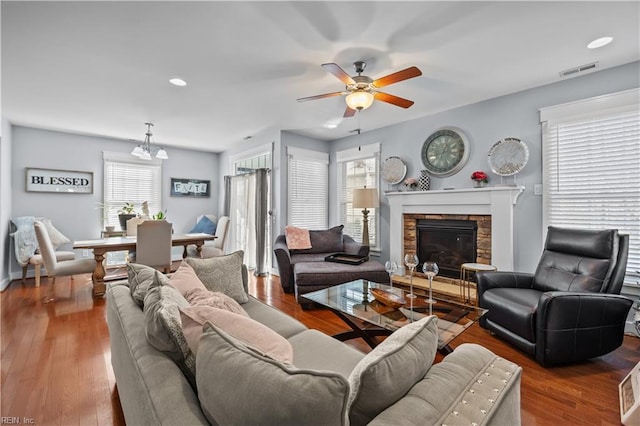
247, 165
127, 179
591, 167
308, 191
357, 168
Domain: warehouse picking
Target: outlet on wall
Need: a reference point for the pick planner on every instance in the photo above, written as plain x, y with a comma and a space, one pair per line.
537, 189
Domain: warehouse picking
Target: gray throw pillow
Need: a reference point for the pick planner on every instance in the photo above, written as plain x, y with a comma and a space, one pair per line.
325, 241
223, 274
163, 326
140, 278
387, 373
237, 386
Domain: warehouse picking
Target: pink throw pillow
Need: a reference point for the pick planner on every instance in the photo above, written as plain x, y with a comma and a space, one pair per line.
256, 336
214, 299
297, 238
185, 279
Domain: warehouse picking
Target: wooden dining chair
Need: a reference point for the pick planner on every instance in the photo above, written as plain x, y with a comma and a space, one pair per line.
57, 268
153, 244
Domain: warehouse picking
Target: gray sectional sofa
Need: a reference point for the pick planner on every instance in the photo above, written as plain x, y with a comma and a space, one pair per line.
471, 385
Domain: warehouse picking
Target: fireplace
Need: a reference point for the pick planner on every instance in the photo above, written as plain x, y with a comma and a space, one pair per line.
449, 243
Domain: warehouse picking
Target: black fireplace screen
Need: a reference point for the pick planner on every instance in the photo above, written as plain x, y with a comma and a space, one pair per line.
449, 243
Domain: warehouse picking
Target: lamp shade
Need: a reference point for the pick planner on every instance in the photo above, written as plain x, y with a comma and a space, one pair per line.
365, 198
359, 99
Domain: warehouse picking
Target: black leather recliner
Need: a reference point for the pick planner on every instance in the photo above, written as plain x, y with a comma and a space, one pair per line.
569, 310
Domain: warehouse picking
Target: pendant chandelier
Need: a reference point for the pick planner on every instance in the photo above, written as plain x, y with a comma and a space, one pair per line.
144, 151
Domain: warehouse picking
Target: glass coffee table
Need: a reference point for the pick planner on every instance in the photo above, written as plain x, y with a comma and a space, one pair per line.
354, 300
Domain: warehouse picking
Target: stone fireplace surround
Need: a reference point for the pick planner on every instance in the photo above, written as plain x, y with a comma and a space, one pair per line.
491, 207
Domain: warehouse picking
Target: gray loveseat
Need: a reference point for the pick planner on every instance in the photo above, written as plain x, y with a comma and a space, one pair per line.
471, 385
304, 271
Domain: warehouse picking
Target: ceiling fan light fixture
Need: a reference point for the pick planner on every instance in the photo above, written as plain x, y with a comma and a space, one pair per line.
359, 99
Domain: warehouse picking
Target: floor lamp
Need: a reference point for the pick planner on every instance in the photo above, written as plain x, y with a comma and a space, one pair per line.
365, 198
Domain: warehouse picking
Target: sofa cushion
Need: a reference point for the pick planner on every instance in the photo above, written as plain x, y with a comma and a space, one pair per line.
140, 278
313, 350
205, 226
391, 369
238, 386
214, 299
163, 326
297, 238
223, 274
251, 333
273, 318
325, 241
332, 273
185, 279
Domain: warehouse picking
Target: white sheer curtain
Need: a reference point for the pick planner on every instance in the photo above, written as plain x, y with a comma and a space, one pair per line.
247, 205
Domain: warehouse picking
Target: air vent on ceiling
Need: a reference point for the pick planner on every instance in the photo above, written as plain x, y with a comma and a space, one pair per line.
576, 70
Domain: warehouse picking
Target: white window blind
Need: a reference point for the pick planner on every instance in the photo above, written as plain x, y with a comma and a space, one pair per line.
308, 191
131, 181
591, 167
357, 171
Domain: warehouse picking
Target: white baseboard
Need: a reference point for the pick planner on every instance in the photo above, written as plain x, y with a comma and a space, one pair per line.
5, 283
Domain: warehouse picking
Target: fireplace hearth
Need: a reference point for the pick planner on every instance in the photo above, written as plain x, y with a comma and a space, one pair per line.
449, 243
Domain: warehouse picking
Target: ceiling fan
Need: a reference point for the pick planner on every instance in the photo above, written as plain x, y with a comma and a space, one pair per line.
361, 90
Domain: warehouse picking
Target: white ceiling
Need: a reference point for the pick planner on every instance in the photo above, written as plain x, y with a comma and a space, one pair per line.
102, 68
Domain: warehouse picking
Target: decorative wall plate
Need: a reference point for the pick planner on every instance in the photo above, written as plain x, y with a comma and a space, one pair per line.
508, 156
445, 152
393, 170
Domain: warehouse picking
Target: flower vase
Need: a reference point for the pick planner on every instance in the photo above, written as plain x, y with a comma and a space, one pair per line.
424, 181
479, 183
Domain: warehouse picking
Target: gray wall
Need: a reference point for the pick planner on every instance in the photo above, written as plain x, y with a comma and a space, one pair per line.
5, 203
75, 215
484, 123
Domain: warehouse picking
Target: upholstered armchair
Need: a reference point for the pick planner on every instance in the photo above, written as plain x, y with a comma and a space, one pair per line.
570, 309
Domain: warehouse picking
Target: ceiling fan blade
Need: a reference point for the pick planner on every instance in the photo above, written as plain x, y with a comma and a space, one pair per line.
395, 100
326, 95
349, 112
397, 76
339, 72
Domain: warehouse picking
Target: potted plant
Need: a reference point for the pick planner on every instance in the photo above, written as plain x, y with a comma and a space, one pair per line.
125, 213
479, 178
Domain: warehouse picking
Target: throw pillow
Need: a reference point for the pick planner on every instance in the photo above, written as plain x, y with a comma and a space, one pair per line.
163, 326
205, 226
185, 279
391, 369
140, 278
214, 299
57, 238
241, 387
254, 335
222, 273
297, 238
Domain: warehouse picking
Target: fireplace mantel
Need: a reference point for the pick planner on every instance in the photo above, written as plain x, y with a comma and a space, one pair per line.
496, 201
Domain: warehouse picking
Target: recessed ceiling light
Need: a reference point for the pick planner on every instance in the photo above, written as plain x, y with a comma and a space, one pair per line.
599, 42
332, 123
178, 82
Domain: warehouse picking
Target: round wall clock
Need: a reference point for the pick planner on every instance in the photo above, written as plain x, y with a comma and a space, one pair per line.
445, 152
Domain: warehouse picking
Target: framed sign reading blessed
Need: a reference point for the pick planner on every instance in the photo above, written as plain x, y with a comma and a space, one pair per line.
190, 187
63, 181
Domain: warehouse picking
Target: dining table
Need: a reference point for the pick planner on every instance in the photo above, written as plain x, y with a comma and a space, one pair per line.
102, 246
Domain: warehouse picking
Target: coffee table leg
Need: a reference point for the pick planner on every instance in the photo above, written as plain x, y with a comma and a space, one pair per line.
97, 277
358, 332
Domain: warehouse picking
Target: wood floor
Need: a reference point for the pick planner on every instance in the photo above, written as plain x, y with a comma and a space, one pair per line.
56, 367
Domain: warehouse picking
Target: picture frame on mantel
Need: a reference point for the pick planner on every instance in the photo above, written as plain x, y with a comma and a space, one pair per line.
190, 187
58, 181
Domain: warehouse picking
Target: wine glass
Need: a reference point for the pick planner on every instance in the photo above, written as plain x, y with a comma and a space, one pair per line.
411, 260
390, 266
430, 269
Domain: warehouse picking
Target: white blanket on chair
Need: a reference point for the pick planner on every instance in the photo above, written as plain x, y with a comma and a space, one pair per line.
24, 239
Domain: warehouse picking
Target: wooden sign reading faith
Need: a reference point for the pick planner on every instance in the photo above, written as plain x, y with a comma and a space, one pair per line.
190, 188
